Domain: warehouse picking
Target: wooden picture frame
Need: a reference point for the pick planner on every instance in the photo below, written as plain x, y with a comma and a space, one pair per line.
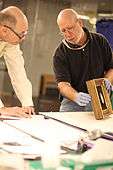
100, 98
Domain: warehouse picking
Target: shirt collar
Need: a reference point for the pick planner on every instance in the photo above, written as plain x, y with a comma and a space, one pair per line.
75, 46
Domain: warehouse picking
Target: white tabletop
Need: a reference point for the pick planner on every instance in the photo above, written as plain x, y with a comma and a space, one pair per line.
84, 120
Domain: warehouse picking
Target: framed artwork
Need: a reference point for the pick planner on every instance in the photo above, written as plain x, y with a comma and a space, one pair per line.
101, 103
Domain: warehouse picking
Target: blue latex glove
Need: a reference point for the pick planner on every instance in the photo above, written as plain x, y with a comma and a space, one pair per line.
83, 99
108, 85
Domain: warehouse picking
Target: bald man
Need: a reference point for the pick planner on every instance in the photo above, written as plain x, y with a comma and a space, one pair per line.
81, 56
13, 29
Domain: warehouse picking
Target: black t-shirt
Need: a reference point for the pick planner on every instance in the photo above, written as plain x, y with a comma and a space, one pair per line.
78, 65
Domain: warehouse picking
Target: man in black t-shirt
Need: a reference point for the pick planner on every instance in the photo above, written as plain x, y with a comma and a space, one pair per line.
81, 56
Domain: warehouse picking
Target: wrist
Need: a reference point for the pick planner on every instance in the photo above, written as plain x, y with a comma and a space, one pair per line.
75, 96
28, 106
108, 79
2, 110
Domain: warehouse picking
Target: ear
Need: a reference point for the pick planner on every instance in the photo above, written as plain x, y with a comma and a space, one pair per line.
3, 30
81, 22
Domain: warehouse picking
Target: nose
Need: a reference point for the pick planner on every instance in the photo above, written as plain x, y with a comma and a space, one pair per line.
68, 34
23, 38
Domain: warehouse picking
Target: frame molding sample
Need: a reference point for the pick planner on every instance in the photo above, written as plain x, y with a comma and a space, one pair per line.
100, 98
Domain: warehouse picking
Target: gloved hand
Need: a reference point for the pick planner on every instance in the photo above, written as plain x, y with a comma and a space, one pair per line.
108, 85
83, 99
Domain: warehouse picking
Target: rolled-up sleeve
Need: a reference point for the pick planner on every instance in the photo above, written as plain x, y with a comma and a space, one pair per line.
1, 104
15, 65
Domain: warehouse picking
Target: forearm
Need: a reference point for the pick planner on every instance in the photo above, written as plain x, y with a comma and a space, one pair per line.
109, 75
66, 90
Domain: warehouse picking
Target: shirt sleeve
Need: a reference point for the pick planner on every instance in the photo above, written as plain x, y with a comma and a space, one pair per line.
15, 65
61, 67
1, 104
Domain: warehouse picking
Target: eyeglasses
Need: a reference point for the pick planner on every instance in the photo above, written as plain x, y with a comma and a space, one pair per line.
70, 29
20, 36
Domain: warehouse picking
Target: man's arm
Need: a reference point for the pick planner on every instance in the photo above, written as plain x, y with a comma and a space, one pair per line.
82, 99
66, 90
15, 65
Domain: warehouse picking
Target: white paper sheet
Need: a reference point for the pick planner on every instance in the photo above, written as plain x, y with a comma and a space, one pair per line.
46, 129
14, 141
3, 117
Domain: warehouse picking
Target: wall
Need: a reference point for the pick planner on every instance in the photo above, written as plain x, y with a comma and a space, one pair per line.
43, 35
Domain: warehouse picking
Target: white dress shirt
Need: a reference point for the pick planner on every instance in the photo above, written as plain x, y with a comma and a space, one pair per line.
15, 65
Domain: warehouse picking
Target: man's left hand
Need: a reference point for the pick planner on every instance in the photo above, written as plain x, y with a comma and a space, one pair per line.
108, 85
29, 109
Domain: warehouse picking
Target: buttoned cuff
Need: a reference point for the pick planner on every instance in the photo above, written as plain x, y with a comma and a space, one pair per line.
1, 104
27, 102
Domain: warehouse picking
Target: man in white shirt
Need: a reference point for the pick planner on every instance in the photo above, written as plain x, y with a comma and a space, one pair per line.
13, 29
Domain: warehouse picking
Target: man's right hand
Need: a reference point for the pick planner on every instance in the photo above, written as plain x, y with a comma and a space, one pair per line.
14, 111
83, 99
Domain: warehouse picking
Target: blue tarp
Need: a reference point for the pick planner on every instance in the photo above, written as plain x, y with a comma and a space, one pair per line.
105, 27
